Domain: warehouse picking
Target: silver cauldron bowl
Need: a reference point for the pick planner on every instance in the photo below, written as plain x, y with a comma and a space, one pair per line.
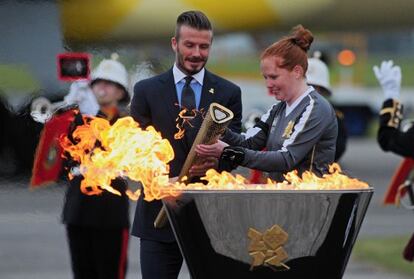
213, 229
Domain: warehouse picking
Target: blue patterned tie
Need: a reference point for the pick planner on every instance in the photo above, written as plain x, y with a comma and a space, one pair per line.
187, 95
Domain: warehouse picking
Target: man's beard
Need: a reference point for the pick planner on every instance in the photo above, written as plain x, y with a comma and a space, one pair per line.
191, 71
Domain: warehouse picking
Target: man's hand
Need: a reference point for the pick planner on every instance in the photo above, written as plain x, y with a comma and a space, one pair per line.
389, 77
212, 150
200, 169
173, 179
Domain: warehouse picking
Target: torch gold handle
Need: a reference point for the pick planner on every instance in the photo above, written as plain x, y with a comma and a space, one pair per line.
161, 219
214, 124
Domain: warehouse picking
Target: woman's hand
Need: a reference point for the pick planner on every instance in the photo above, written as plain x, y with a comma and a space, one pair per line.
212, 150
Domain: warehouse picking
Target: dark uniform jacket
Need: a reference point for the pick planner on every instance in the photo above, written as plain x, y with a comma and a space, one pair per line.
342, 135
155, 104
106, 210
390, 137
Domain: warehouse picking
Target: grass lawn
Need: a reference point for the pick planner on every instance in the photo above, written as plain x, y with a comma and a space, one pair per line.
385, 252
361, 72
17, 77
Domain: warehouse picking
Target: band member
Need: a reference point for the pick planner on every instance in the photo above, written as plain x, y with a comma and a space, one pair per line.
97, 225
318, 77
157, 101
390, 135
299, 132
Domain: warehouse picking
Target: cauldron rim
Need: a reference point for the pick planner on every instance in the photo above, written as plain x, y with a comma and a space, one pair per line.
269, 191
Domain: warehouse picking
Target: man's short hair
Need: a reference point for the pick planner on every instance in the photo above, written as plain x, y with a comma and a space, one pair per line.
194, 19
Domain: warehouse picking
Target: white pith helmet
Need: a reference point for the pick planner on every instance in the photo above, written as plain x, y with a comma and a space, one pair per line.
318, 73
112, 70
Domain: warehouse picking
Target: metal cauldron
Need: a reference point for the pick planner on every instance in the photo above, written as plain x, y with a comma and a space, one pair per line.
212, 229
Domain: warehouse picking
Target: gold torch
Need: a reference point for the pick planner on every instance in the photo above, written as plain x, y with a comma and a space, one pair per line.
214, 124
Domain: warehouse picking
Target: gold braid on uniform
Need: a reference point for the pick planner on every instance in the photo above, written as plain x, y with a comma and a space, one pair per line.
391, 114
339, 114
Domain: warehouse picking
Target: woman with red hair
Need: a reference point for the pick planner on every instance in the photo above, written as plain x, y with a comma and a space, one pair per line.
298, 132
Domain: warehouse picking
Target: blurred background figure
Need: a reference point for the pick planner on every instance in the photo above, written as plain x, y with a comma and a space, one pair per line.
318, 76
97, 97
98, 225
83, 94
393, 136
111, 78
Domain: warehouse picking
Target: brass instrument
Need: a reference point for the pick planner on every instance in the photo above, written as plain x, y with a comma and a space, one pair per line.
42, 109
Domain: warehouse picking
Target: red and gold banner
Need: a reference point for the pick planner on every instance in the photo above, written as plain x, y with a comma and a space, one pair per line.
48, 159
400, 176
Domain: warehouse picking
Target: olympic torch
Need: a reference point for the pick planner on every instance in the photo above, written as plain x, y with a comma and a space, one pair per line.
213, 126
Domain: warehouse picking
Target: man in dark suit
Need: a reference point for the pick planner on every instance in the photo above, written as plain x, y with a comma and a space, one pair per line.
157, 102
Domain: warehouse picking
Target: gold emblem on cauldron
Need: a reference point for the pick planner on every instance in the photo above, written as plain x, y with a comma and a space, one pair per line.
266, 248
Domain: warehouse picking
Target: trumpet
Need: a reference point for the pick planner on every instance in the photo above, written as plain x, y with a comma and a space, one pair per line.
42, 109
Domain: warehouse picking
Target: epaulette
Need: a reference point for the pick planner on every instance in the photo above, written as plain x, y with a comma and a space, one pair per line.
339, 114
391, 113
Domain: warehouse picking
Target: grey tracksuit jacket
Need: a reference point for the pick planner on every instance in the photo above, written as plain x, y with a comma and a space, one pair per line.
304, 139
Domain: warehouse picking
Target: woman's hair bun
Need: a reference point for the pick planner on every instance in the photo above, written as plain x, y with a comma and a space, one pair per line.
302, 37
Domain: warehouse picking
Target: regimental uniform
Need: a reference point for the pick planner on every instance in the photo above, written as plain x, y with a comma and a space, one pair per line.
97, 225
390, 137
342, 135
301, 136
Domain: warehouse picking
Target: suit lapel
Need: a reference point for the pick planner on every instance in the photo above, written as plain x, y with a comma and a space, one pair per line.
170, 94
170, 101
208, 93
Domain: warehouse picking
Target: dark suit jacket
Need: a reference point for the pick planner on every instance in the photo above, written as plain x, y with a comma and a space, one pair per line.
155, 103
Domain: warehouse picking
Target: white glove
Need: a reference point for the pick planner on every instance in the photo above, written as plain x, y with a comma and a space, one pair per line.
389, 77
81, 94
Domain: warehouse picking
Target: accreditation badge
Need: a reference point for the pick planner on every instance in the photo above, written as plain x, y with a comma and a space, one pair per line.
288, 130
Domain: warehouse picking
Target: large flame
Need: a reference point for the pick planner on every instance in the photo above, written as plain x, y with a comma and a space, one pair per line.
123, 149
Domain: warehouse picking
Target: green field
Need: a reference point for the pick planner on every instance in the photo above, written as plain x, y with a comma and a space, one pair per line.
19, 77
361, 72
384, 252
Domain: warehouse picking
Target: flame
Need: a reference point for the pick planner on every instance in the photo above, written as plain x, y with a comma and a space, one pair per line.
184, 117
123, 149
334, 180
